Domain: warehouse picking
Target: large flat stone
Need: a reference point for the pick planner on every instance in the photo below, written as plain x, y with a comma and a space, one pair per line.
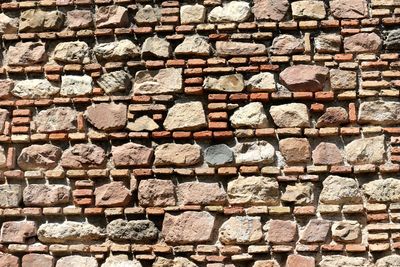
179, 155
233, 11
239, 49
290, 115
163, 81
199, 193
107, 116
138, 231
241, 230
113, 194
83, 156
251, 115
34, 89
26, 54
379, 113
10, 195
39, 157
59, 119
75, 52
187, 116
312, 78
156, 192
340, 190
69, 231
42, 195
132, 154
366, 151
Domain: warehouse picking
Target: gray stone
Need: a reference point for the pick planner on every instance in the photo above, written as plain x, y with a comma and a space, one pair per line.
34, 89
379, 112
316, 231
313, 77
74, 85
69, 231
392, 41
239, 49
388, 261
383, 190
254, 152
164, 81
241, 230
328, 43
121, 261
290, 115
362, 43
270, 9
26, 54
251, 115
83, 156
232, 83
156, 47
113, 82
156, 193
344, 261
79, 19
122, 50
179, 155
340, 190
366, 151
142, 231
191, 14
343, 79
197, 193
112, 16
264, 81
8, 25
10, 195
44, 195
107, 116
143, 123
233, 11
286, 44
343, 9
39, 157
218, 155
77, 261
299, 194
37, 20
308, 9
187, 116
76, 52
147, 16
346, 231
55, 120
194, 45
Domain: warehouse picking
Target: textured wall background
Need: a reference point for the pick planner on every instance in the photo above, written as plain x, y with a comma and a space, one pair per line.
204, 133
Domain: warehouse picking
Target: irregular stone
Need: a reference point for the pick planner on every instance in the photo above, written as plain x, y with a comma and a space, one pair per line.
308, 9
39, 157
295, 150
327, 154
107, 116
37, 20
156, 193
266, 263
270, 9
3, 119
191, 14
346, 231
344, 261
26, 54
299, 194
147, 16
366, 151
77, 261
141, 231
177, 155
299, 260
187, 116
233, 11
131, 154
82, 156
253, 190
251, 115
55, 120
8, 260
328, 43
290, 115
362, 43
117, 51
6, 86
333, 117
241, 230
286, 44
194, 45
343, 79
254, 152
197, 193
189, 227
316, 231
164, 81
74, 85
264, 81
281, 232
312, 79
175, 262
156, 47
112, 17
10, 195
8, 25
69, 231
116, 81
143, 123
35, 259
384, 190
72, 52
343, 9
46, 195
34, 89
121, 261
239, 49
218, 155
392, 41
232, 83
79, 19
113, 194
340, 190
388, 261
17, 231
379, 112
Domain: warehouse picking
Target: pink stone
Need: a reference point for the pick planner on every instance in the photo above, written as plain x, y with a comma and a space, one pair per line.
344, 9
82, 156
156, 192
282, 232
327, 154
37, 260
295, 150
300, 261
17, 231
8, 260
26, 54
270, 9
362, 43
107, 116
312, 78
113, 194
131, 154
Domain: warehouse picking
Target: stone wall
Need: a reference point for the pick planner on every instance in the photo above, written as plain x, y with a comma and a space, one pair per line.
257, 133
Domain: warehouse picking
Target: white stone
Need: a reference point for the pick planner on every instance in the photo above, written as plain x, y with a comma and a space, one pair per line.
250, 116
35, 88
74, 85
233, 11
185, 116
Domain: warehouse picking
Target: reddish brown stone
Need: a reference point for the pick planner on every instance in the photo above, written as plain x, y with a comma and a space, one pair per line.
333, 117
300, 261
362, 43
82, 156
26, 54
312, 78
286, 44
37, 260
131, 154
79, 19
112, 16
343, 9
8, 260
5, 88
282, 232
316, 231
107, 116
114, 194
270, 9
17, 231
295, 150
327, 154
156, 192
39, 157
196, 193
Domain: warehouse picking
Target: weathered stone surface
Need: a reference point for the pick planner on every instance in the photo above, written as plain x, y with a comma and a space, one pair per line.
295, 150
10, 195
45, 195
187, 116
328, 43
34, 89
39, 157
241, 230
254, 152
299, 260
112, 16
113, 194
239, 49
388, 261
34, 260
312, 79
116, 81
79, 19
343, 79
384, 190
177, 155
266, 263
253, 190
37, 20
55, 120
72, 52
69, 231
191, 14
77, 261
156, 192
198, 193
327, 154
392, 40
340, 190
264, 81
366, 151
281, 232
362, 43
121, 261
175, 262
156, 47
117, 51
164, 81
8, 260
74, 85
299, 194
6, 86
142, 231
316, 231
131, 154
218, 155
345, 261
333, 117
232, 83
290, 115
4, 117
379, 112
143, 123
8, 25
26, 54
189, 227
346, 231
308, 9
17, 231
107, 116
251, 115
82, 156
233, 11
270, 9
286, 44
194, 45
147, 16
343, 9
